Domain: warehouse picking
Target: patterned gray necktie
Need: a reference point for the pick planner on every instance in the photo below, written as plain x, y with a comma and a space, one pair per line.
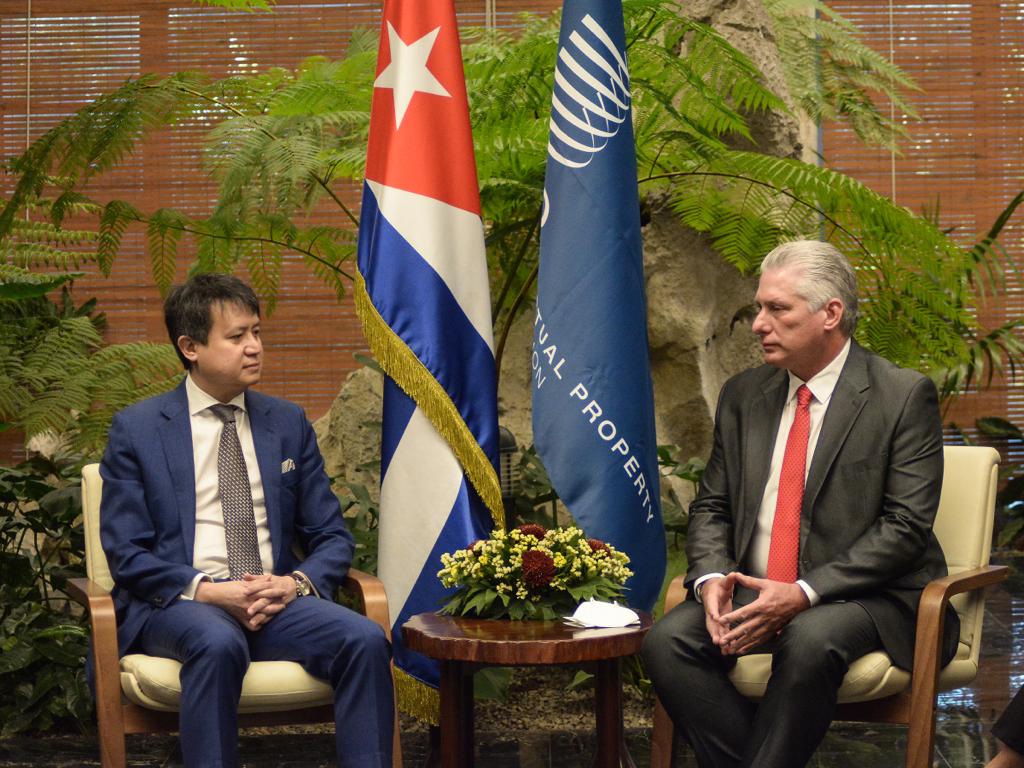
236, 499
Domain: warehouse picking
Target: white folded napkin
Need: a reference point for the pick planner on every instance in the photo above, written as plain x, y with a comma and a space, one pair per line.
596, 613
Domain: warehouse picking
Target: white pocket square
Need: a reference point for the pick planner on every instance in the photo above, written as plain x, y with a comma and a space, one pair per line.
287, 465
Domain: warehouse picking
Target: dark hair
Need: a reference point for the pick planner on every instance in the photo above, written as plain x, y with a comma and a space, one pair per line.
188, 310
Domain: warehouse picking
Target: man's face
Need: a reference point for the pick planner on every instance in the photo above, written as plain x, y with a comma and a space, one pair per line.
230, 361
792, 336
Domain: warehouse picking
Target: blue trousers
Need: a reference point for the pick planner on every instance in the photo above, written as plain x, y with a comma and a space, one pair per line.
330, 642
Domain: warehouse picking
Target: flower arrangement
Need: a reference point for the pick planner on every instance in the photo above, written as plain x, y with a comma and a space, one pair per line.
532, 573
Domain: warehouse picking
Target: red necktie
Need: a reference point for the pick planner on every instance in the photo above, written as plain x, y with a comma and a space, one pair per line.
785, 544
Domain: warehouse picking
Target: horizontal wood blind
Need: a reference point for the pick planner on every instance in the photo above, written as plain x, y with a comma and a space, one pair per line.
966, 155
70, 53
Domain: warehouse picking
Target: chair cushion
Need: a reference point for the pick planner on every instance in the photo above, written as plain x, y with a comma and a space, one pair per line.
269, 686
870, 677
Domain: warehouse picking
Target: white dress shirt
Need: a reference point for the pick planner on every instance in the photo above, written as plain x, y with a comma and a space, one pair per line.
822, 385
210, 552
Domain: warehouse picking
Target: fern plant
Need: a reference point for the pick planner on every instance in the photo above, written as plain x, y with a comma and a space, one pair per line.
57, 377
287, 143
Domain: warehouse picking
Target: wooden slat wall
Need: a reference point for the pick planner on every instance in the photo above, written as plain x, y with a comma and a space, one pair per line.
82, 49
967, 154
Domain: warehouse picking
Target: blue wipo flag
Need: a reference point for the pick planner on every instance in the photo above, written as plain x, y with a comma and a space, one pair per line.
593, 410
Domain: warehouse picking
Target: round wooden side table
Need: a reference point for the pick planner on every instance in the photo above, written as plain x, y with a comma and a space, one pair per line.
463, 644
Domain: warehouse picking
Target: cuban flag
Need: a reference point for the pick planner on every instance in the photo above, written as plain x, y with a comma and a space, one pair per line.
593, 408
423, 298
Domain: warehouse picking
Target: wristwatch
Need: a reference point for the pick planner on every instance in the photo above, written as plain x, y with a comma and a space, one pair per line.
302, 585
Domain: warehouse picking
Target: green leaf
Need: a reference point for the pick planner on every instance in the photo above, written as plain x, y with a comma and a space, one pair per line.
994, 426
492, 683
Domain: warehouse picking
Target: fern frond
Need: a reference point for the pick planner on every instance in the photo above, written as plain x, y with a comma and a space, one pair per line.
162, 235
18, 283
117, 215
71, 201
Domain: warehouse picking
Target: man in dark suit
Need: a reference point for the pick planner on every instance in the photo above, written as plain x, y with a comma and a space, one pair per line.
811, 533
1009, 729
205, 491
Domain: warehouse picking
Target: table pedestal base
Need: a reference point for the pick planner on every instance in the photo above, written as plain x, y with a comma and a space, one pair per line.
452, 743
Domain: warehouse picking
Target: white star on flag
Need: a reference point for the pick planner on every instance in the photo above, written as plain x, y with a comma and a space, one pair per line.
407, 73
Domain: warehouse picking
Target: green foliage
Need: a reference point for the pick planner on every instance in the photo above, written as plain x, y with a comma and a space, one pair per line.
285, 143
56, 376
362, 515
833, 76
43, 641
673, 510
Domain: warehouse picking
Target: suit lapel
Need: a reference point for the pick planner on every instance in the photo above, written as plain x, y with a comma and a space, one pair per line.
268, 455
764, 410
845, 405
176, 437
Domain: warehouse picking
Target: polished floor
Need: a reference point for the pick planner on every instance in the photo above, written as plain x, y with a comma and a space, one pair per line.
963, 724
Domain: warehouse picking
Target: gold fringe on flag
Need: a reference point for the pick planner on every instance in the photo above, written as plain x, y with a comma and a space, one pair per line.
408, 371
416, 698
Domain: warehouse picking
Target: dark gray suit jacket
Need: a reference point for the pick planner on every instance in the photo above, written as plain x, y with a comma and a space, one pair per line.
870, 499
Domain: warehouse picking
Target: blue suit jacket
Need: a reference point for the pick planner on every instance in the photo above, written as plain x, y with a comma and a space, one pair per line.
148, 508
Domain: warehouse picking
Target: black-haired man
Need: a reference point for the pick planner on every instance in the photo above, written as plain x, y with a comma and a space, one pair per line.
205, 491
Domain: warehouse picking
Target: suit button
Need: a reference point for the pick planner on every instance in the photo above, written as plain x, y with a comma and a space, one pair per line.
159, 601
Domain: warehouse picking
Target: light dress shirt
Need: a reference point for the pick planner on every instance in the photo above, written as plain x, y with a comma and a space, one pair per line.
822, 385
210, 551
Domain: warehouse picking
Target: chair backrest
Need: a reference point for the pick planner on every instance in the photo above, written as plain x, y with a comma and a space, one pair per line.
95, 558
964, 522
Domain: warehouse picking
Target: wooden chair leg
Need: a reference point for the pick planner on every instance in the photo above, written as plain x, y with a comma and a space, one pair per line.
661, 737
112, 745
921, 734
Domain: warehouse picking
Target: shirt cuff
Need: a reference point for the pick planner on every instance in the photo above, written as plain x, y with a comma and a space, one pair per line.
189, 592
700, 583
812, 596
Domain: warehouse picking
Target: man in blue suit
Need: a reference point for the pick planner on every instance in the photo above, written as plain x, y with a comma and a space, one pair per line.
206, 491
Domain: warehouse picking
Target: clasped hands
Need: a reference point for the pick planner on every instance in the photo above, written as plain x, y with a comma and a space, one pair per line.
738, 631
253, 601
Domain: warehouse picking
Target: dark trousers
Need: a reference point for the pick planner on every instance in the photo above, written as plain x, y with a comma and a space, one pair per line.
1009, 728
331, 642
809, 659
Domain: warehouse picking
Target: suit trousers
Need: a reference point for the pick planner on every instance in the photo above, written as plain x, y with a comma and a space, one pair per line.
329, 641
1009, 728
809, 659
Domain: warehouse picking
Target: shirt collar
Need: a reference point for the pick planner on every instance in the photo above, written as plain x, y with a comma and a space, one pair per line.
199, 400
823, 383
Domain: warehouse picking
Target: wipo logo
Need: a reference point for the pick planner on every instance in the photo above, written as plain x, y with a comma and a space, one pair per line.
591, 96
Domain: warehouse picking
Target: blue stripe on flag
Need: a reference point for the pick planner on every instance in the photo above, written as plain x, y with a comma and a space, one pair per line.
415, 302
400, 408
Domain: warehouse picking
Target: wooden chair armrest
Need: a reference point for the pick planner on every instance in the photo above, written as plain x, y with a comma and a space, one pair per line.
369, 590
931, 616
676, 592
106, 657
937, 593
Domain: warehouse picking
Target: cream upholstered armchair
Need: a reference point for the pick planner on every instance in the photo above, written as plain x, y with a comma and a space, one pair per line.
874, 690
140, 694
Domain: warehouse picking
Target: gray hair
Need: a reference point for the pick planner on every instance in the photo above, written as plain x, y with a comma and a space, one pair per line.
826, 274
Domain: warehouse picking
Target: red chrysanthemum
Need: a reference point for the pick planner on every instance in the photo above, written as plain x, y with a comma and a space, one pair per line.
538, 568
532, 529
596, 545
